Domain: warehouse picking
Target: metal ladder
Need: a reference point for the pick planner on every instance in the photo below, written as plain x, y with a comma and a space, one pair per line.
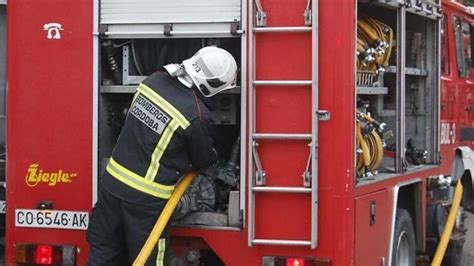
256, 173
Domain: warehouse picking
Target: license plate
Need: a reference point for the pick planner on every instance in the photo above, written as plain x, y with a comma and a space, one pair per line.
51, 219
3, 206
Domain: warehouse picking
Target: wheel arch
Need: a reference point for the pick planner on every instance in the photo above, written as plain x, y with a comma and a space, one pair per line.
463, 169
408, 195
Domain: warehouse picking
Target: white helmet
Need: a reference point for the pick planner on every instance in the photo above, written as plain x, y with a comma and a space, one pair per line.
212, 70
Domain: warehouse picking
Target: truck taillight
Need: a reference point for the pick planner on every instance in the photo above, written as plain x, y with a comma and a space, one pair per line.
39, 254
44, 254
295, 262
291, 261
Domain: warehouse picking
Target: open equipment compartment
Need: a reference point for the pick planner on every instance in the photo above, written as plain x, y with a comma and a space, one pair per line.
421, 90
131, 48
397, 87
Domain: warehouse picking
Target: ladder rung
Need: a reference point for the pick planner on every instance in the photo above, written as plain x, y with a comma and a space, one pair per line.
282, 29
282, 189
282, 82
282, 136
281, 242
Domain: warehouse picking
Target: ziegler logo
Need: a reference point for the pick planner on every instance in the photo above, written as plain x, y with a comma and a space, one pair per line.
34, 176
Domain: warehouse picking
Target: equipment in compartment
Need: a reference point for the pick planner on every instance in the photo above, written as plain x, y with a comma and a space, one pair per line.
370, 145
225, 110
414, 155
415, 52
396, 83
207, 199
143, 57
109, 55
129, 61
211, 198
374, 47
126, 63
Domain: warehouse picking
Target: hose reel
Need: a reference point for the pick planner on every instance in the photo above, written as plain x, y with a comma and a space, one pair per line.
369, 144
374, 44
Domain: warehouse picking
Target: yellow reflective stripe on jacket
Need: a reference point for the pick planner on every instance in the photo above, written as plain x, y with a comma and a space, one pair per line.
165, 105
160, 149
160, 257
138, 182
135, 96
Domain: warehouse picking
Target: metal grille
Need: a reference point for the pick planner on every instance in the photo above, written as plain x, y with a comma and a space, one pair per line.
367, 78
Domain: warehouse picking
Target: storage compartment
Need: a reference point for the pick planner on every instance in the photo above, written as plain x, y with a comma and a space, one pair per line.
421, 90
131, 49
397, 87
373, 216
377, 34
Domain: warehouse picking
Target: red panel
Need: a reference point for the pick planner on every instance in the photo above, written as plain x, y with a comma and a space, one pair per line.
456, 94
284, 12
49, 113
283, 110
279, 220
372, 241
336, 141
293, 210
284, 161
287, 109
283, 56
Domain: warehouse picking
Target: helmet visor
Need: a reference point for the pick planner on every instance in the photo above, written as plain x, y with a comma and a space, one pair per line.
215, 82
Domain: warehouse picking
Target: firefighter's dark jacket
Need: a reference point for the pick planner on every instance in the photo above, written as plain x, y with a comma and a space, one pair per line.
166, 134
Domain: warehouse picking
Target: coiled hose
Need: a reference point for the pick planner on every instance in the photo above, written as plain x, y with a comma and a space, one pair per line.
369, 144
374, 44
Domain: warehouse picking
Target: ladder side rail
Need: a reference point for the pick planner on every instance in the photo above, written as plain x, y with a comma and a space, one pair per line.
243, 109
251, 115
315, 127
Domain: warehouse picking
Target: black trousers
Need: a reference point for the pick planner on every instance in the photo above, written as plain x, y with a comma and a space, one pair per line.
118, 229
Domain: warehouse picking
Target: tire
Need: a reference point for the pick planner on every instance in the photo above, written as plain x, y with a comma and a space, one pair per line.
453, 255
404, 247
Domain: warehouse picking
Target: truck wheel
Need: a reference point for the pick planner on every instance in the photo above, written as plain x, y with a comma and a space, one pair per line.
403, 249
453, 255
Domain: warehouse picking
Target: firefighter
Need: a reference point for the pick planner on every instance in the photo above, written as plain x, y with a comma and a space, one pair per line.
166, 134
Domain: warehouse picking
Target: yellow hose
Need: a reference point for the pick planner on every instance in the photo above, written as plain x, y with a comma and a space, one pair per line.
448, 228
363, 146
165, 215
373, 34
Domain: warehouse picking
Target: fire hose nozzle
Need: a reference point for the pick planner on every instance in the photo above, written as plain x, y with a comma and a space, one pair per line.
381, 127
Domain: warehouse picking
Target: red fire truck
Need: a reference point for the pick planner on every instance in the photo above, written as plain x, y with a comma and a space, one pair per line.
341, 145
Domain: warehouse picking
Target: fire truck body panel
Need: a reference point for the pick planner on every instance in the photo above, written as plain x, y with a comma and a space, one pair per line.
456, 97
51, 80
57, 113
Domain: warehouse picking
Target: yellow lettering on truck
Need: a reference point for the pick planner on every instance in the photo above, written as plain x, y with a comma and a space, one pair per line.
35, 176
